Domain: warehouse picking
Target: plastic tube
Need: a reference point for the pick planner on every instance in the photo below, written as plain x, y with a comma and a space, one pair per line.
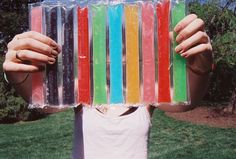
115, 14
148, 52
84, 57
179, 63
132, 54
163, 13
51, 70
99, 54
37, 78
123, 66
68, 56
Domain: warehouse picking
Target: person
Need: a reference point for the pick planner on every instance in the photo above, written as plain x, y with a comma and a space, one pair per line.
115, 132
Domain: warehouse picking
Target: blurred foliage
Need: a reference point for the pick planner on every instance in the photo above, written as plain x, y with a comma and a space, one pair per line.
220, 25
14, 20
12, 107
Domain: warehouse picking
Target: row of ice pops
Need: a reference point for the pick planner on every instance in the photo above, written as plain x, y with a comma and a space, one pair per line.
109, 55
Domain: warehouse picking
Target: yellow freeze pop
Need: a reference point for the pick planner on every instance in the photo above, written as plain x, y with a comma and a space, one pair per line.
132, 54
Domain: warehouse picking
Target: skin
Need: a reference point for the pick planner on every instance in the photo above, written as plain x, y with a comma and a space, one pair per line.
35, 49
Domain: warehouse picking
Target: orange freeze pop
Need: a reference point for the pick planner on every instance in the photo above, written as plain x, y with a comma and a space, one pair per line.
132, 54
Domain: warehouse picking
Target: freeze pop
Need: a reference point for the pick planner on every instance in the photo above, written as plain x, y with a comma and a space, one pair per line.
68, 56
99, 54
132, 54
120, 50
148, 53
179, 63
163, 14
37, 78
51, 70
115, 14
84, 57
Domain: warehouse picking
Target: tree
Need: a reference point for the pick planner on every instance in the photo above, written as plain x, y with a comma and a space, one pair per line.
220, 21
14, 20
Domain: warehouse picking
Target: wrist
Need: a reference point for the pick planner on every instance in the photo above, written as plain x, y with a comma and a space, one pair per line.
15, 78
201, 64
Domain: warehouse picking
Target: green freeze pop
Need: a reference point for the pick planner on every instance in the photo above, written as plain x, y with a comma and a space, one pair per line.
99, 54
179, 63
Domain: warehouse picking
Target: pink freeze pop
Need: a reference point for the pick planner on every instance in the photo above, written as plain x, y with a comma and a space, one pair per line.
37, 78
148, 53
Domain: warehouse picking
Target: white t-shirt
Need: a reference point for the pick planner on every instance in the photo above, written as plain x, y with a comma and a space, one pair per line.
97, 136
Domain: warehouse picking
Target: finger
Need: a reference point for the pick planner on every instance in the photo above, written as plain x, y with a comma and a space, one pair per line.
26, 55
190, 29
37, 36
202, 48
184, 22
171, 35
17, 67
198, 38
34, 45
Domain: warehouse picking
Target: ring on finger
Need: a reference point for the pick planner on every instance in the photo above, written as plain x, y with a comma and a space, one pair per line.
18, 57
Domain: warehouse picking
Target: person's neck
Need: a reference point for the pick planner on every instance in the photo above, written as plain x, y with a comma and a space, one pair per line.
114, 111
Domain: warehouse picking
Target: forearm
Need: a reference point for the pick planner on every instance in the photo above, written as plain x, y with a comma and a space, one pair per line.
199, 68
21, 82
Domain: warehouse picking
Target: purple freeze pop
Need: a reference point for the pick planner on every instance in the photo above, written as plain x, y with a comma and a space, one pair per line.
51, 70
68, 56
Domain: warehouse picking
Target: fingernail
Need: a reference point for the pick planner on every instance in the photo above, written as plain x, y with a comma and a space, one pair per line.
54, 44
54, 52
59, 49
178, 48
181, 52
179, 38
177, 28
183, 55
51, 60
53, 56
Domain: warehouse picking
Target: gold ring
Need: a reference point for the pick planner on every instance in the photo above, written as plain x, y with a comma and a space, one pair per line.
17, 56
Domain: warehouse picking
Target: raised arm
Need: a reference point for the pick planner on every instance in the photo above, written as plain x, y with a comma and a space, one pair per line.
27, 53
195, 46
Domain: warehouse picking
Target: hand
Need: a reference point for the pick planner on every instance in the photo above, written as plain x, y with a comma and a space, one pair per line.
191, 37
29, 51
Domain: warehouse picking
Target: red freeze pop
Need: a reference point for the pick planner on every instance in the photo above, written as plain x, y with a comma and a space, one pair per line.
163, 13
84, 58
148, 53
37, 78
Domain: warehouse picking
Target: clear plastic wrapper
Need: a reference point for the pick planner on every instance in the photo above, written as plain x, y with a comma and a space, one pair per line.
180, 81
37, 78
115, 23
148, 52
58, 87
84, 68
114, 53
164, 79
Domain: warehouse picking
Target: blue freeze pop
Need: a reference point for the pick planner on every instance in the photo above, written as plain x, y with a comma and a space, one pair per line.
115, 14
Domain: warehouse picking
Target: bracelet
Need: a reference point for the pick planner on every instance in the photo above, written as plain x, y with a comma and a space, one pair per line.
18, 83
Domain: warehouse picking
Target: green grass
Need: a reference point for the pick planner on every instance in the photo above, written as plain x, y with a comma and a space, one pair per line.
51, 138
171, 139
